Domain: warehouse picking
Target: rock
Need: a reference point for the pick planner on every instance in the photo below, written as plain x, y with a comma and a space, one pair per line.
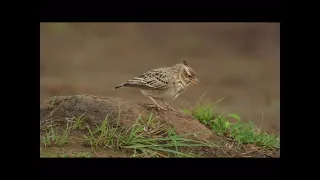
96, 109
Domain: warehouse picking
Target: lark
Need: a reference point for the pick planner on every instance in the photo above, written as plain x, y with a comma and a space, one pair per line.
164, 84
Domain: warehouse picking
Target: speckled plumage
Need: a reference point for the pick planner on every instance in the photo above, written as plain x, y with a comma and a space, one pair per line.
163, 83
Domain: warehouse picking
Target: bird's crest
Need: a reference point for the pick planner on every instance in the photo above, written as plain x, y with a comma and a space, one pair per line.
185, 63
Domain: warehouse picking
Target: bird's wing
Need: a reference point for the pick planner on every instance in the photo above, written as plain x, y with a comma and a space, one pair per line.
156, 79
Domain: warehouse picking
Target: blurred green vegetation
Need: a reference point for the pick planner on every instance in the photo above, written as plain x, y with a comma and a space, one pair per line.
59, 28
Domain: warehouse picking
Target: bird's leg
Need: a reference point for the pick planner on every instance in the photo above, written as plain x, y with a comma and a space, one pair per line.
168, 106
158, 106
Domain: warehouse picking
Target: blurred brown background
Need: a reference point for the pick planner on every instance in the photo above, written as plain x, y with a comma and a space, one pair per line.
239, 62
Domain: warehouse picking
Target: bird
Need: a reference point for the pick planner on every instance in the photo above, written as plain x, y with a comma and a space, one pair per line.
164, 84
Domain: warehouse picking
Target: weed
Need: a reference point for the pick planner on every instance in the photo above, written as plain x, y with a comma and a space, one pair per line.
54, 137
77, 122
239, 131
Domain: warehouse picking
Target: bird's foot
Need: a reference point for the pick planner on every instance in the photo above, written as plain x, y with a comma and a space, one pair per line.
171, 108
156, 106
161, 108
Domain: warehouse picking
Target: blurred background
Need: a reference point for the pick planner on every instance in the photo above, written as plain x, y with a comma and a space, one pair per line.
239, 62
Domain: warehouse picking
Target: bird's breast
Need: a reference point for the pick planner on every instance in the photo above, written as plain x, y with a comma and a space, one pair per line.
159, 94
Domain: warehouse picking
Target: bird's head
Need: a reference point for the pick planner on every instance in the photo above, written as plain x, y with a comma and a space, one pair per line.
188, 75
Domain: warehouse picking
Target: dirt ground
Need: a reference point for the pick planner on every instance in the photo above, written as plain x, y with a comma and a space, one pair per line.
239, 62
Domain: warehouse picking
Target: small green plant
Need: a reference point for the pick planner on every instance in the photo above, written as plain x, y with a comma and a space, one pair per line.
205, 114
248, 133
78, 123
53, 100
54, 137
239, 131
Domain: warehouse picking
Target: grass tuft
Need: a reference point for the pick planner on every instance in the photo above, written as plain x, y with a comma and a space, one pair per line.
54, 137
146, 138
241, 132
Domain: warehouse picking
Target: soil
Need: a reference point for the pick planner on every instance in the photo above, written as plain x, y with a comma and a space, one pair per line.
74, 150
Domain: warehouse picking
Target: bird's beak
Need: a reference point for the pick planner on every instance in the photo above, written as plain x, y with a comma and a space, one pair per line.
195, 81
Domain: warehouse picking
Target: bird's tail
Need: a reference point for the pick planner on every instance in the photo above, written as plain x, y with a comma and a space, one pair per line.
131, 83
119, 86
